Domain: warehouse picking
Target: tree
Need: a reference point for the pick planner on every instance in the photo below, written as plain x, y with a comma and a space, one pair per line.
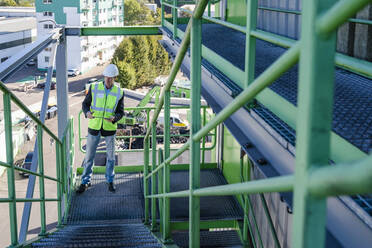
8, 3
140, 59
136, 13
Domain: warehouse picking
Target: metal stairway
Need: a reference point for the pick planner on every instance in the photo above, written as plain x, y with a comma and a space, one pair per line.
99, 218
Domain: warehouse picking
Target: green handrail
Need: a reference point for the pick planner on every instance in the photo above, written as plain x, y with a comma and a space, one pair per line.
9, 97
321, 181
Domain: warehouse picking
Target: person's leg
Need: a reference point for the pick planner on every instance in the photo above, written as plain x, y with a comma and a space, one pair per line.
110, 158
91, 148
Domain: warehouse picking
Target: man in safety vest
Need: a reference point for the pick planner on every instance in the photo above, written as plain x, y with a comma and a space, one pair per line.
103, 106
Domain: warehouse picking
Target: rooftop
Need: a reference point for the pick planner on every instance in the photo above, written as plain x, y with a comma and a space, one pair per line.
16, 24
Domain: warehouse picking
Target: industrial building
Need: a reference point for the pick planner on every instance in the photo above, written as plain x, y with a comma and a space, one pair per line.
17, 30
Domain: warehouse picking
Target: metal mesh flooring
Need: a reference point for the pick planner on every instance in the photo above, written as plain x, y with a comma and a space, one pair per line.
124, 235
352, 112
352, 108
209, 239
213, 207
97, 204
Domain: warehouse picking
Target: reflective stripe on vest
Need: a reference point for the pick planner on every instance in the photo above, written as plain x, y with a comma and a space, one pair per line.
104, 106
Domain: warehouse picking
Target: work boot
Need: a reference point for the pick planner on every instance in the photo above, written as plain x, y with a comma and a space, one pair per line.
111, 187
81, 188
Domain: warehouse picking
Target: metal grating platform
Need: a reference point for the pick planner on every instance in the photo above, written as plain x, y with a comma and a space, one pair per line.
126, 205
209, 239
352, 114
216, 208
124, 235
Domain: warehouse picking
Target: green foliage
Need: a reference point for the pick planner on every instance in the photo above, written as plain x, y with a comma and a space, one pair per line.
23, 3
8, 3
140, 59
136, 13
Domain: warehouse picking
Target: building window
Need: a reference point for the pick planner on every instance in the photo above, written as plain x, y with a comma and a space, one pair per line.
48, 26
48, 49
47, 1
46, 59
48, 13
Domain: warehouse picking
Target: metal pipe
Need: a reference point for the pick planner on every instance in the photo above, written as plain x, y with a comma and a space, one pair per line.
145, 183
28, 171
41, 180
10, 171
342, 179
3, 200
153, 179
250, 43
59, 183
194, 175
281, 65
276, 184
338, 14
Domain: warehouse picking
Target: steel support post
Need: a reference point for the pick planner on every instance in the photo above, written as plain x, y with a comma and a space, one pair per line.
162, 13
153, 178
315, 99
59, 184
65, 179
175, 18
209, 8
160, 188
34, 163
10, 171
166, 169
41, 180
246, 177
203, 144
145, 182
250, 42
194, 201
62, 87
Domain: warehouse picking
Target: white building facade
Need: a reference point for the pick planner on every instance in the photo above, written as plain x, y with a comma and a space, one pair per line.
84, 52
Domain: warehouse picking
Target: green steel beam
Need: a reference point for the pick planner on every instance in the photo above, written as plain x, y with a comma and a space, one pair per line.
10, 171
194, 175
59, 184
315, 99
26, 110
198, 12
133, 30
250, 43
2, 200
166, 170
338, 14
275, 184
160, 189
175, 17
162, 13
342, 179
29, 172
153, 179
41, 180
145, 183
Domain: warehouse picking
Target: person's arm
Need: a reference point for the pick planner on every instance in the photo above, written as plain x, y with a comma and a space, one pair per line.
87, 102
119, 111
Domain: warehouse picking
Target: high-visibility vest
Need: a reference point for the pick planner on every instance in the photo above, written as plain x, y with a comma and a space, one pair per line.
103, 106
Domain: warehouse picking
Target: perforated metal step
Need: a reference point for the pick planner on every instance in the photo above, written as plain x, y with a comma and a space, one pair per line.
227, 239
97, 204
124, 235
216, 208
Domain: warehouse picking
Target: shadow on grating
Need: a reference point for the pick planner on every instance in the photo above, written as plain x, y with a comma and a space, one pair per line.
98, 205
209, 239
125, 235
211, 207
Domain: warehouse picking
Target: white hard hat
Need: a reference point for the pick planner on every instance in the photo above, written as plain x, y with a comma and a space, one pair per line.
111, 71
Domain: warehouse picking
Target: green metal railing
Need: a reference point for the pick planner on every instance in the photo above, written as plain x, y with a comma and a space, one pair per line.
64, 161
314, 179
206, 147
